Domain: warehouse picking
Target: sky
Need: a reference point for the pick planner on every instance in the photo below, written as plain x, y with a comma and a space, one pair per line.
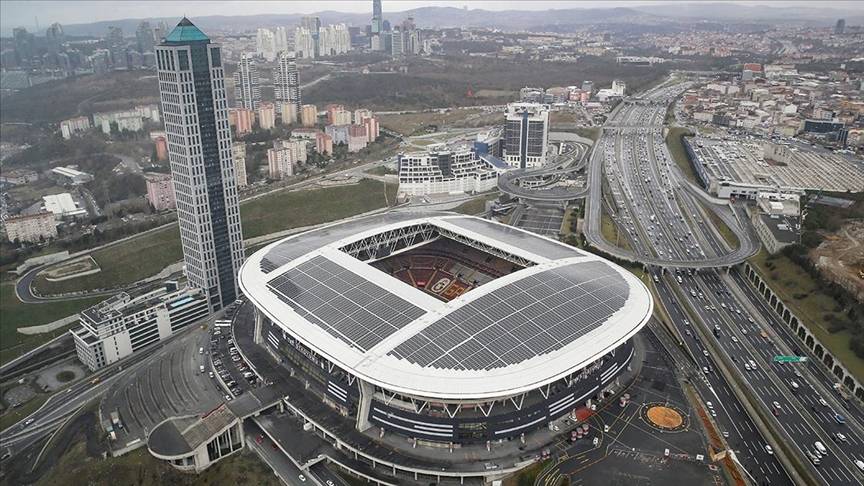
14, 13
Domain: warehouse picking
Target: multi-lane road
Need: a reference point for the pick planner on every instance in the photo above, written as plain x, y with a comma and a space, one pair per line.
666, 224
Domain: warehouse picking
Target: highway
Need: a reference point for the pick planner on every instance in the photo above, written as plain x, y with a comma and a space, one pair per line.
664, 221
570, 161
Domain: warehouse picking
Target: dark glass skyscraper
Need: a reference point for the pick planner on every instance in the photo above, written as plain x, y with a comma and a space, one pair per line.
195, 110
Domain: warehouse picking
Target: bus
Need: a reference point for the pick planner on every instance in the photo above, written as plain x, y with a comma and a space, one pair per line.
222, 323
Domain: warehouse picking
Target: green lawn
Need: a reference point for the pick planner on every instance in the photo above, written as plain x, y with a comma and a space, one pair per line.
139, 258
609, 230
805, 298
476, 205
723, 229
675, 142
15, 314
381, 170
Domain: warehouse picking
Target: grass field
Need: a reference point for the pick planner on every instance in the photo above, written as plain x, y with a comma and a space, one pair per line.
804, 297
476, 205
381, 170
15, 415
140, 258
674, 140
415, 123
609, 230
141, 469
15, 314
723, 229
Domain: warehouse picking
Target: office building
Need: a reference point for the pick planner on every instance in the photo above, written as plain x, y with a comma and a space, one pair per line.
308, 115
247, 86
446, 172
840, 27
526, 135
160, 191
121, 325
286, 85
376, 42
266, 115
31, 228
192, 88
238, 152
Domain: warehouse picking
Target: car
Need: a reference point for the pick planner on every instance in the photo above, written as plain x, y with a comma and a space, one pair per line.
823, 402
330, 482
29, 421
747, 366
211, 374
841, 437
725, 434
228, 398
769, 450
743, 330
705, 352
776, 405
734, 339
259, 439
859, 464
705, 370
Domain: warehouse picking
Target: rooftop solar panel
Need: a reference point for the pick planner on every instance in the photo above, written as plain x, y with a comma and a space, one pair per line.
351, 309
516, 237
556, 307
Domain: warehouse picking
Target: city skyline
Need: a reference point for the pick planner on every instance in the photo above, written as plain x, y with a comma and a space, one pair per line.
24, 14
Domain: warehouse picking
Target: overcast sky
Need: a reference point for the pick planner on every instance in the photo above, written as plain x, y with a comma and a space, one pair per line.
14, 13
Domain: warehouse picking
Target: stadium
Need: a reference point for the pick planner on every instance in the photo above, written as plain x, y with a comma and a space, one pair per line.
446, 328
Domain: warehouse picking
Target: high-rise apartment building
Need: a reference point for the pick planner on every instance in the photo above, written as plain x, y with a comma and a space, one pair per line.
144, 37
334, 40
286, 84
160, 191
195, 107
308, 115
238, 152
247, 86
840, 27
266, 115
265, 44
526, 134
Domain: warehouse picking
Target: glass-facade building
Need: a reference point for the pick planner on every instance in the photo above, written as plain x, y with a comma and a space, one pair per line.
195, 108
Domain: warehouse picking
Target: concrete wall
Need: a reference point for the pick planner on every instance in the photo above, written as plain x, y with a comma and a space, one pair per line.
834, 366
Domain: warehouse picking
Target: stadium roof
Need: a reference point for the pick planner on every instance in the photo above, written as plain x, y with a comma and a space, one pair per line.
563, 311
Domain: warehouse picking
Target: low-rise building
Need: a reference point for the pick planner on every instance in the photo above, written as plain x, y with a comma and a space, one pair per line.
122, 325
160, 191
18, 176
777, 219
62, 206
70, 175
31, 228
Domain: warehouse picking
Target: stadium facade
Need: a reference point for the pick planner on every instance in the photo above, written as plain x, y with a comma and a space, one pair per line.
446, 328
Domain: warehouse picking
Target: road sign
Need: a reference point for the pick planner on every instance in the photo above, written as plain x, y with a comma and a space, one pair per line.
790, 359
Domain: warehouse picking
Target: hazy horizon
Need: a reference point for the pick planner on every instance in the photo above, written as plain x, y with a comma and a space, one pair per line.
16, 13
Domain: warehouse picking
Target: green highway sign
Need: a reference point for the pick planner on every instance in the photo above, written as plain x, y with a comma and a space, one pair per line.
790, 359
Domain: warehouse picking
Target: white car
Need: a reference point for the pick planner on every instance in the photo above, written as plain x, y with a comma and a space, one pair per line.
301, 477
769, 450
734, 339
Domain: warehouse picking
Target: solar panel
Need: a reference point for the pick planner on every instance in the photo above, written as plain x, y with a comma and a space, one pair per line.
539, 314
348, 307
508, 234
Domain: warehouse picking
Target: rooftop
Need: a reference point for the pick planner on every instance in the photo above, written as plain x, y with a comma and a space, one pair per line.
560, 311
180, 436
186, 31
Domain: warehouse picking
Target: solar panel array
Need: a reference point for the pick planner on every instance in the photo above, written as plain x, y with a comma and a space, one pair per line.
530, 317
342, 303
508, 234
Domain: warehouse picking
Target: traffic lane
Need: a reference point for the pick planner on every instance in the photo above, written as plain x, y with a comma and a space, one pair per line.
274, 457
821, 376
749, 444
780, 401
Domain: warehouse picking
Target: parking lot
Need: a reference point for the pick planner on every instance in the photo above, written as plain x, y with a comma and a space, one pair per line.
227, 368
543, 220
